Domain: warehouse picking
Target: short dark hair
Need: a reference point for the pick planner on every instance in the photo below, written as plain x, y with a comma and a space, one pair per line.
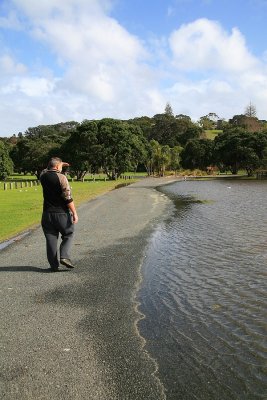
53, 162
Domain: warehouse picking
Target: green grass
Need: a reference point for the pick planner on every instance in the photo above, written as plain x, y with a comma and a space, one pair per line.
21, 177
22, 208
212, 133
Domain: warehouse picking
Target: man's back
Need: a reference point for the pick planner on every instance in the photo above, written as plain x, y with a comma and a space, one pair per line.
56, 191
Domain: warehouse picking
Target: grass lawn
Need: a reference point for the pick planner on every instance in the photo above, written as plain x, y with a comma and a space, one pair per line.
20, 177
212, 133
22, 208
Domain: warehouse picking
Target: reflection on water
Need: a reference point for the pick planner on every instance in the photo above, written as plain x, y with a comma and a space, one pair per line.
204, 291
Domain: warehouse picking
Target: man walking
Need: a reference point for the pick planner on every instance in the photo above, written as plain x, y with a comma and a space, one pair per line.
59, 213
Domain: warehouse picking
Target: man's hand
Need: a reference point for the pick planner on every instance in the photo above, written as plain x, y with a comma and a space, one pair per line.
75, 218
73, 212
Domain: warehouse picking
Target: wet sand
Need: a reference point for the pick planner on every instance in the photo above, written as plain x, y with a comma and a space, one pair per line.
73, 334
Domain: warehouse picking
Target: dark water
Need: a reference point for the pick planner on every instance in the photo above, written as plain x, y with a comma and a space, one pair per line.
204, 291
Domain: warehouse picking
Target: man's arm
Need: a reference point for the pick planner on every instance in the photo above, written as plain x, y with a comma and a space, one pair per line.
73, 211
66, 194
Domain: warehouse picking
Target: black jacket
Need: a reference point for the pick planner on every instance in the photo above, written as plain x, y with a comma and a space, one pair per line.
56, 191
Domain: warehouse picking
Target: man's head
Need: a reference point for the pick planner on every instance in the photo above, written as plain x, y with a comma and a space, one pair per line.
56, 163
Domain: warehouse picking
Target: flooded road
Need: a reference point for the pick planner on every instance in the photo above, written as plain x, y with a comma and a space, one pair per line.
204, 291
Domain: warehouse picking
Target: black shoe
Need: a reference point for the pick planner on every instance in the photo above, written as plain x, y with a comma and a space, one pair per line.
54, 269
66, 262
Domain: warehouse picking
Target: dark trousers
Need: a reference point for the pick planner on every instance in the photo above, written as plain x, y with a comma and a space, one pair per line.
54, 224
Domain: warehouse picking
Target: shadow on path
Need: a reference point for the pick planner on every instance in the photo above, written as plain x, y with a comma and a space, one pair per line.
29, 269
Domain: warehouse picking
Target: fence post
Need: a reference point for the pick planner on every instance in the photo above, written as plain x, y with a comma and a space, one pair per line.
5, 186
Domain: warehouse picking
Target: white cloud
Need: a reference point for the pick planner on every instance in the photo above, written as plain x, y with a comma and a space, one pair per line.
218, 73
34, 87
67, 8
199, 98
99, 54
107, 71
203, 44
8, 66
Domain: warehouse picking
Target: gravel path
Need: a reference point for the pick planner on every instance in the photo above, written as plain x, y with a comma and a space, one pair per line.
73, 334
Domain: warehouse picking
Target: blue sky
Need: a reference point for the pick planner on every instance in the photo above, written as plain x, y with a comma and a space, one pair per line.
64, 60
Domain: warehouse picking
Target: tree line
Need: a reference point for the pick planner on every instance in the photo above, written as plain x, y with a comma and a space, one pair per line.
152, 144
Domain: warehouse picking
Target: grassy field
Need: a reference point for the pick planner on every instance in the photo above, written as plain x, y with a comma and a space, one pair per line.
22, 208
28, 177
212, 133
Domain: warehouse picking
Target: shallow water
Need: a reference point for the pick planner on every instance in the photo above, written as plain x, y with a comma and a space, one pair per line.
204, 291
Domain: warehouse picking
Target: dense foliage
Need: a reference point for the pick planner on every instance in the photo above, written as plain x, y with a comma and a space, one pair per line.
152, 144
6, 164
238, 149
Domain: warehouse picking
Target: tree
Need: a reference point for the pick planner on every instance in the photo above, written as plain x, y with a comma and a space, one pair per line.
237, 121
264, 159
148, 162
168, 110
257, 141
250, 124
82, 149
164, 129
238, 148
175, 158
121, 149
160, 157
6, 164
248, 159
206, 123
222, 124
186, 133
227, 149
139, 146
56, 133
32, 150
252, 152
173, 131
183, 117
31, 154
213, 117
251, 111
165, 158
209, 121
197, 154
145, 123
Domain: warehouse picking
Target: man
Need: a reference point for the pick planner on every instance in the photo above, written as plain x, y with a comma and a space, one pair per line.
59, 213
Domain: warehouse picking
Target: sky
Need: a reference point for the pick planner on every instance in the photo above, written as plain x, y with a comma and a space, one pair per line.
71, 60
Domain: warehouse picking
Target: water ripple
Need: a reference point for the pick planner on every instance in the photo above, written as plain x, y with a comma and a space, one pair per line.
204, 292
